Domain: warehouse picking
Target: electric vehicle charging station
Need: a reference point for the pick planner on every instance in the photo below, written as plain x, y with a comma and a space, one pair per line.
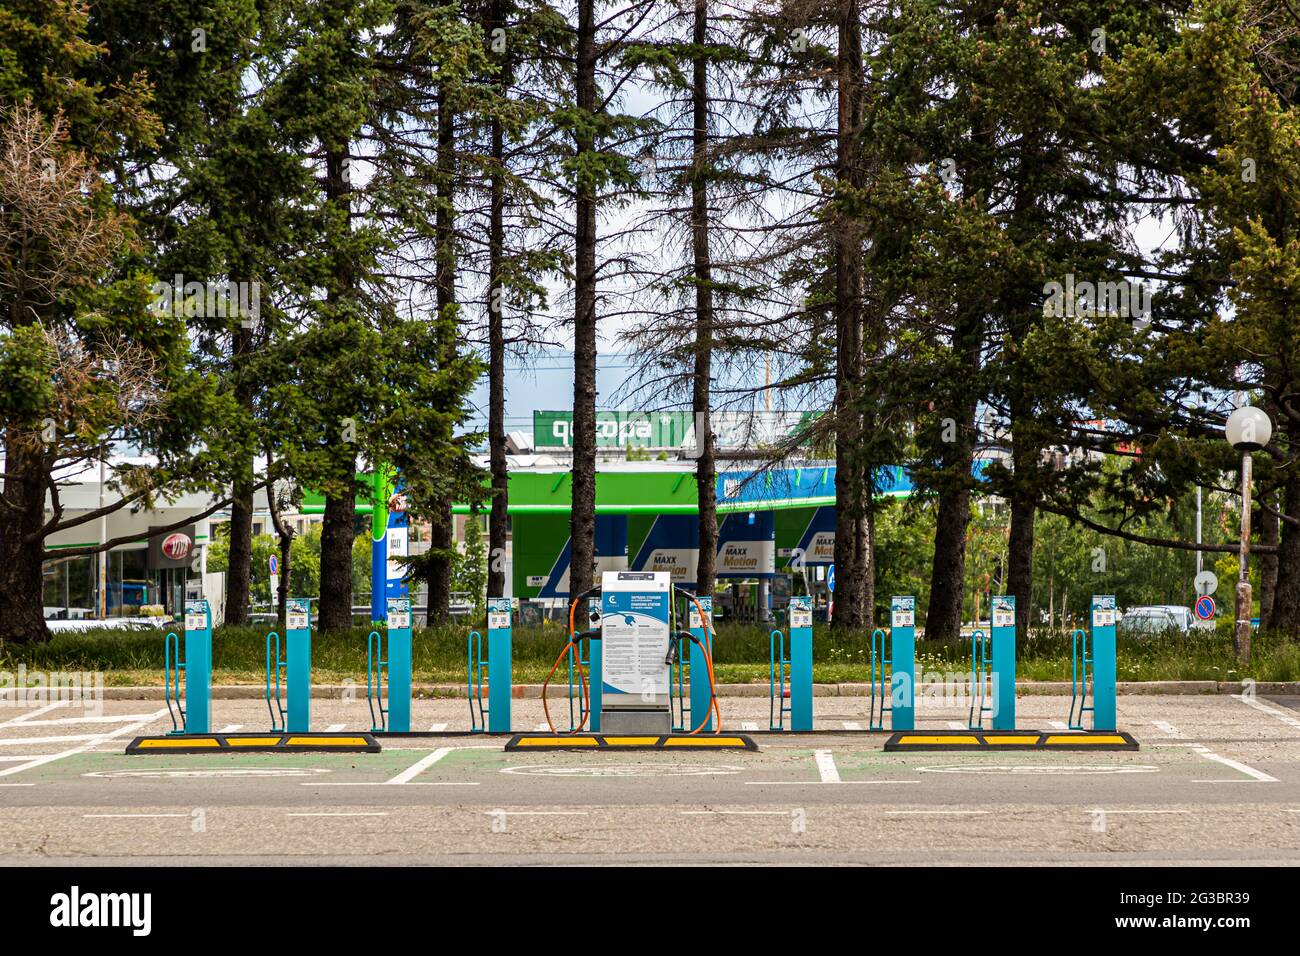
700, 622
902, 651
391, 660
295, 666
1002, 620
635, 644
1094, 668
495, 717
790, 669
194, 706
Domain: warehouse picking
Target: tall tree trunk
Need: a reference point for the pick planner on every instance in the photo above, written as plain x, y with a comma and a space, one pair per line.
582, 526
1020, 546
239, 574
852, 479
337, 533
701, 399
1286, 593
339, 525
498, 519
22, 550
948, 572
441, 524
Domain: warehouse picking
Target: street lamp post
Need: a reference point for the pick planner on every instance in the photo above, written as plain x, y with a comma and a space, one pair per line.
1248, 430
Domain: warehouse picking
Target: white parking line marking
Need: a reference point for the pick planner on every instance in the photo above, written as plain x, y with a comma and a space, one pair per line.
937, 813
818, 783
735, 813
1268, 709
957, 725
1059, 725
15, 757
852, 725
542, 726
334, 728
23, 718
386, 783
437, 728
826, 766
120, 732
131, 816
340, 814
116, 719
230, 728
748, 725
62, 739
1204, 751
1138, 812
421, 765
535, 813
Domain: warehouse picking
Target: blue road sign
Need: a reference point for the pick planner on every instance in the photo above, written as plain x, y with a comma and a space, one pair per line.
1205, 607
830, 579
274, 563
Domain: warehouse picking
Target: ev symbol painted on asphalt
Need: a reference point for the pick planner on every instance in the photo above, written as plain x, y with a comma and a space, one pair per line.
1206, 582
1205, 607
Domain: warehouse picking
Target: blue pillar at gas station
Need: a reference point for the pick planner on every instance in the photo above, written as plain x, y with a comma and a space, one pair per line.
902, 652
1103, 662
801, 663
1002, 612
399, 665
499, 667
701, 697
198, 667
297, 627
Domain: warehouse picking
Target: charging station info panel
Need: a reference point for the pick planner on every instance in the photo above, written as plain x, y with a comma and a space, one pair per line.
634, 637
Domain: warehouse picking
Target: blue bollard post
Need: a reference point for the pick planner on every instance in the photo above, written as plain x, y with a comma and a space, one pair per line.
801, 663
499, 666
297, 627
1103, 662
700, 696
1003, 621
198, 667
902, 683
399, 665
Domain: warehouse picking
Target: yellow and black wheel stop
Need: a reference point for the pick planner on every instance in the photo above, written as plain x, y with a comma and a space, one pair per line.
689, 742
273, 742
1019, 740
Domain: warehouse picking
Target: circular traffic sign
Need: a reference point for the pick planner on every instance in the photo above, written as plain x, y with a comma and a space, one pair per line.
274, 564
1206, 582
830, 579
1205, 607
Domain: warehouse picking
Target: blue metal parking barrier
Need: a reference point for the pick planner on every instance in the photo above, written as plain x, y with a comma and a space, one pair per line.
275, 668
980, 674
778, 684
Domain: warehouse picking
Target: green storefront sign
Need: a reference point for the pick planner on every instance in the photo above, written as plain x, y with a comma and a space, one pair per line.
653, 430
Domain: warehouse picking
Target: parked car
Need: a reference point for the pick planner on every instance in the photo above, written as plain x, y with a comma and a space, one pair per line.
1154, 619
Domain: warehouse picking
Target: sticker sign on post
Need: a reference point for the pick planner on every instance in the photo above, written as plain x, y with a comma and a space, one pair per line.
399, 614
902, 612
800, 614
1004, 612
196, 615
296, 615
498, 613
1103, 662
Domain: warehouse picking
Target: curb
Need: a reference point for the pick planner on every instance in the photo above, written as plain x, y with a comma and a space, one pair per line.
534, 691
